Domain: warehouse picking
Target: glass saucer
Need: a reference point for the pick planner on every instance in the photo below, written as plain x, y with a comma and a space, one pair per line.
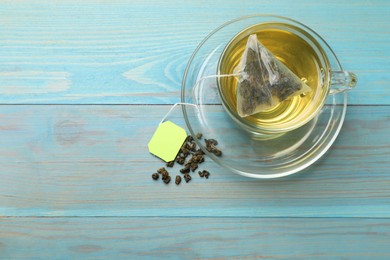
250, 154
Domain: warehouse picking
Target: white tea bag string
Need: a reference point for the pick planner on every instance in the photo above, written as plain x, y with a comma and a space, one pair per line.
173, 107
195, 88
217, 76
193, 93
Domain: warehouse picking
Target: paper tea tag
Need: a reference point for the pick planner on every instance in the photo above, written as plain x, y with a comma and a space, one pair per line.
167, 141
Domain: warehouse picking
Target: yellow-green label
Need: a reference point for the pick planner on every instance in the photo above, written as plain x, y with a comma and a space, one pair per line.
167, 140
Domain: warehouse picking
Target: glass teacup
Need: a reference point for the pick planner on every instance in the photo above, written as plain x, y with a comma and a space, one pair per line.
305, 53
247, 149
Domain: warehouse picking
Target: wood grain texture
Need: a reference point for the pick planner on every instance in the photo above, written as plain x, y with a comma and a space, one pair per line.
194, 238
135, 52
75, 179
93, 161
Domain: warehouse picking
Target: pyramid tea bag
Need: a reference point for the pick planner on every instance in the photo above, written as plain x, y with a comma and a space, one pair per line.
263, 81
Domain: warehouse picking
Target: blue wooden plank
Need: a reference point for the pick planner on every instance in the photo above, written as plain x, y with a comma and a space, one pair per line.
125, 52
93, 161
194, 238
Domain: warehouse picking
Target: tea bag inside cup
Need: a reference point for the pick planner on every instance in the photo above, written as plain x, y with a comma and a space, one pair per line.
263, 81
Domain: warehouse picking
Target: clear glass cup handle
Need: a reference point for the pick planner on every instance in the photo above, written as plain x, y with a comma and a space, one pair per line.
342, 81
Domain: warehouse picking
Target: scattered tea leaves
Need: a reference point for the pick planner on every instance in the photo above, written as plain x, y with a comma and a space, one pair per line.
170, 164
187, 177
167, 179
199, 136
204, 173
197, 156
178, 179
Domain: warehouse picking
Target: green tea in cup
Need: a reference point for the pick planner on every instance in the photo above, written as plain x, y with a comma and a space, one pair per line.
301, 54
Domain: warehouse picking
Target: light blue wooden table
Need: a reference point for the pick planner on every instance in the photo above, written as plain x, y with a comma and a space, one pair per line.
83, 85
